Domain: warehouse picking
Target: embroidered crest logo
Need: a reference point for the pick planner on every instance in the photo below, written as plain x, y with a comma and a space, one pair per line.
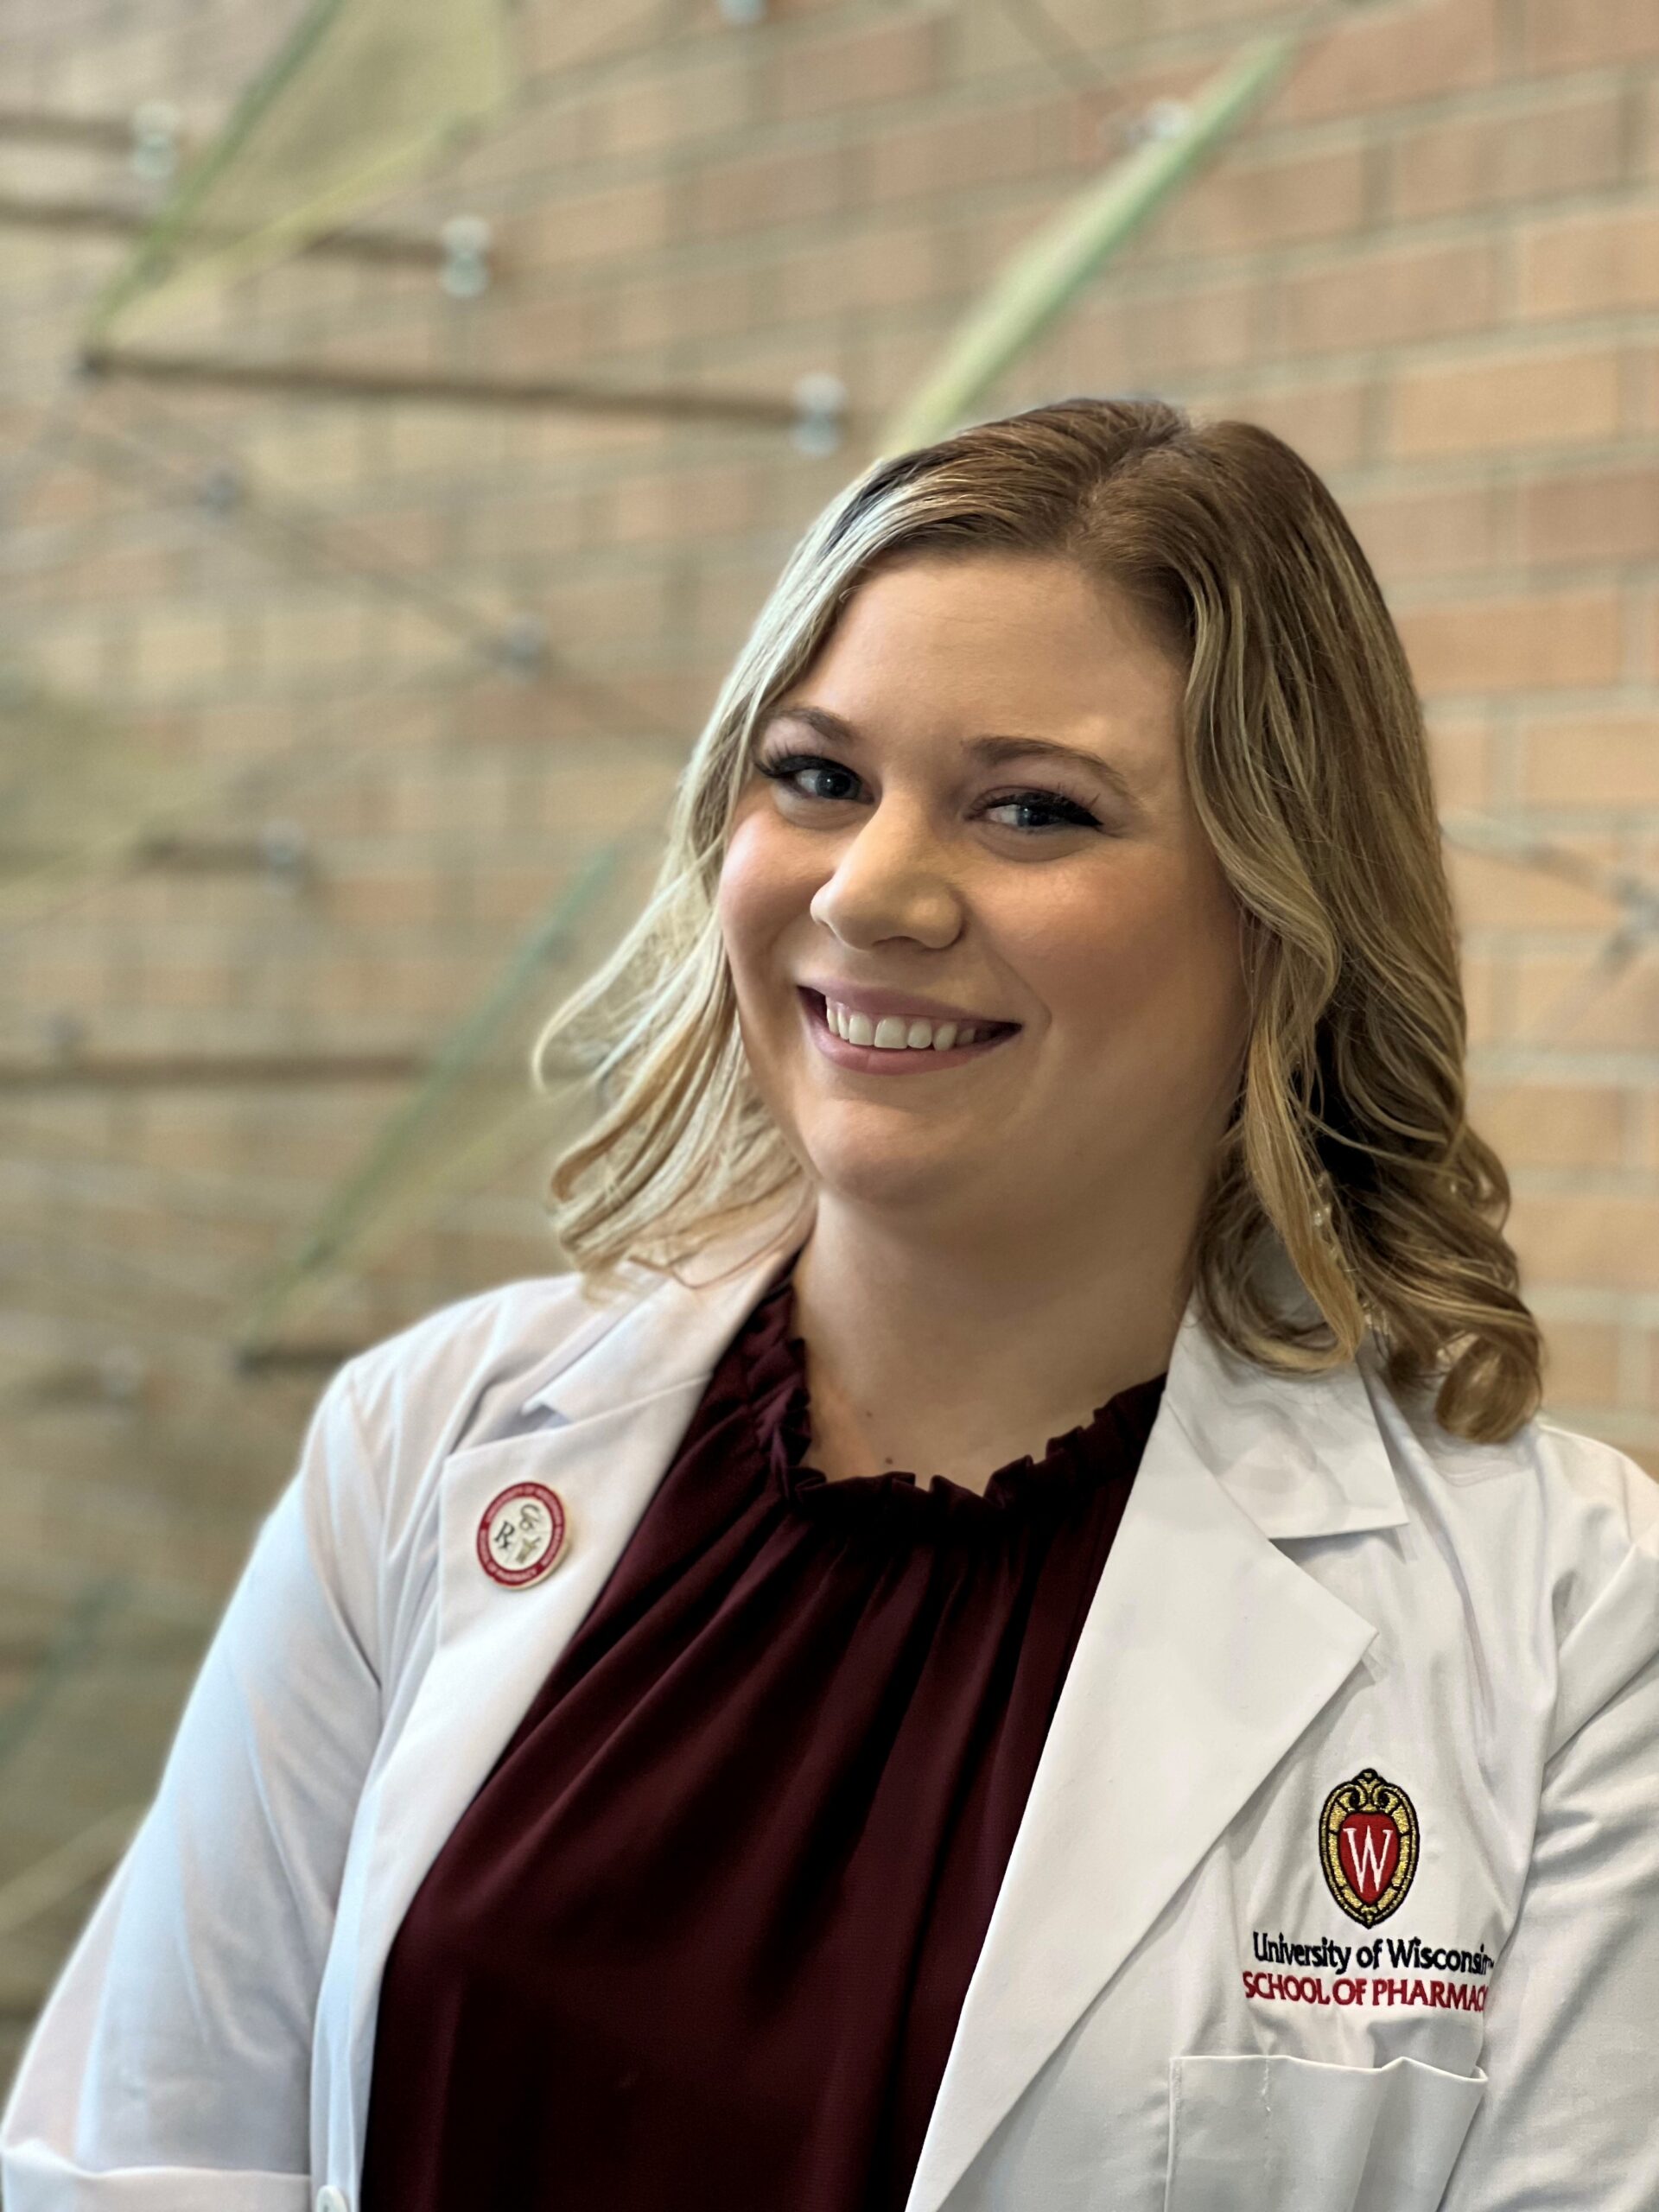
1367, 1845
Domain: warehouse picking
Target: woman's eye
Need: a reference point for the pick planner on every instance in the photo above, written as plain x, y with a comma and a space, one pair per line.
793, 765
1066, 813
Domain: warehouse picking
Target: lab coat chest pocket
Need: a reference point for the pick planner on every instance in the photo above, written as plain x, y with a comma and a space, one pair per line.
1269, 2133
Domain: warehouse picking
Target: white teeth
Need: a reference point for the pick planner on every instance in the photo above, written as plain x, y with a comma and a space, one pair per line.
895, 1032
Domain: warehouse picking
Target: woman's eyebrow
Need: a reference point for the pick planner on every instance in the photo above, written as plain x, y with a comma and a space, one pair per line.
990, 749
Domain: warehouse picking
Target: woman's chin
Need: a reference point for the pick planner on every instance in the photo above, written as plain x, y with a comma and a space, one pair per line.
903, 1179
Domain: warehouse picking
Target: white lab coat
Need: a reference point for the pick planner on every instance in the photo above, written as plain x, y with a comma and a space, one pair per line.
1310, 1579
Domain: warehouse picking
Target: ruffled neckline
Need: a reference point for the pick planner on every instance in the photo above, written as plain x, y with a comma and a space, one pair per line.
1098, 1453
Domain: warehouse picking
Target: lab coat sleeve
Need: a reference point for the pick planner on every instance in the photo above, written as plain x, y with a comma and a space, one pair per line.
170, 2069
1570, 2119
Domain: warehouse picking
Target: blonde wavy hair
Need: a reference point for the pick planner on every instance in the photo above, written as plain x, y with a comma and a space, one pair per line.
1307, 766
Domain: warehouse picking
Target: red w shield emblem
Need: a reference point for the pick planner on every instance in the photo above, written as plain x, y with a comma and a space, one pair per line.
1367, 1845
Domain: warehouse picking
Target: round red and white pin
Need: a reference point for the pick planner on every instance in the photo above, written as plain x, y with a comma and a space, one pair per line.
521, 1535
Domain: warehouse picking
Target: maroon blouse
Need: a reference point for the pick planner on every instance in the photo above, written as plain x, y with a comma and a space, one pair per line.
701, 1938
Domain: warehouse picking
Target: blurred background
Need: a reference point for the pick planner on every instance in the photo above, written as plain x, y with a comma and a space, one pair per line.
404, 407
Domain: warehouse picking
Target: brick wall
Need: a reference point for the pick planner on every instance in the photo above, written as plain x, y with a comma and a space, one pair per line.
1431, 262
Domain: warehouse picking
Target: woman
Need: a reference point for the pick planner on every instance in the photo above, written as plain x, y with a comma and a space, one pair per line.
1012, 1638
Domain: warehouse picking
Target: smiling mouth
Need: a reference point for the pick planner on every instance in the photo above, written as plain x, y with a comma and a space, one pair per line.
897, 1058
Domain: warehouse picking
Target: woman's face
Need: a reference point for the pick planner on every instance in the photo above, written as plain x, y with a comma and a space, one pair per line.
912, 848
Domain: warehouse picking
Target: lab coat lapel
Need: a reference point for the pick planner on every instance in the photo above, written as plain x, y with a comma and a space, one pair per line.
620, 1410
1205, 1654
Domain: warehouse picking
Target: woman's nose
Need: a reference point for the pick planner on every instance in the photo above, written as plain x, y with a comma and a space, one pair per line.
891, 877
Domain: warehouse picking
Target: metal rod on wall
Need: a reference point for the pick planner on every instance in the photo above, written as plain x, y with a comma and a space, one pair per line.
309, 1359
208, 1070
303, 380
45, 128
109, 218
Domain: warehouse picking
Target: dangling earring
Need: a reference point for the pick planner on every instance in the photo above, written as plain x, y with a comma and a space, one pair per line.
1324, 1207
1323, 1218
